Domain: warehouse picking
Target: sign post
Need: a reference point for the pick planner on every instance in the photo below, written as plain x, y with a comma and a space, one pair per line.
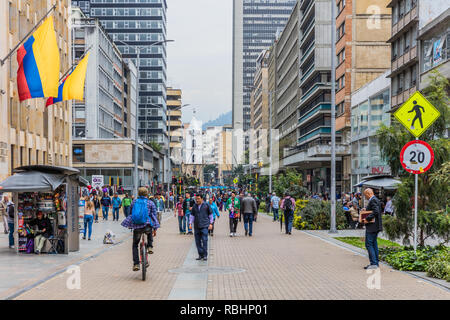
417, 114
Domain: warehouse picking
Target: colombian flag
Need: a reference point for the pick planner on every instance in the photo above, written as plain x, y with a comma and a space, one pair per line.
38, 58
73, 85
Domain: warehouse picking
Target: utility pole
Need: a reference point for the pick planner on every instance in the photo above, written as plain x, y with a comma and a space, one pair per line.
136, 129
270, 141
333, 118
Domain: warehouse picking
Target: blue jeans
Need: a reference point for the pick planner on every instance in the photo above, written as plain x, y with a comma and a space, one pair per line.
11, 233
182, 224
105, 212
201, 240
248, 222
275, 214
88, 219
96, 214
288, 221
186, 217
116, 214
372, 247
127, 211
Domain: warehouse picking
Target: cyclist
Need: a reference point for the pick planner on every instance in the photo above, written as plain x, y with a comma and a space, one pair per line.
148, 227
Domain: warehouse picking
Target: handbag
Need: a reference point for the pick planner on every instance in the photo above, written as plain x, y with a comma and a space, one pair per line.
30, 246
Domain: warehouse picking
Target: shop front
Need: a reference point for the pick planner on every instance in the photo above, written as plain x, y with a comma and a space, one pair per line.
46, 208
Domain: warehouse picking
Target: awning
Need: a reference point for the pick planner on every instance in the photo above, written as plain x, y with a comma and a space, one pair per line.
32, 181
381, 183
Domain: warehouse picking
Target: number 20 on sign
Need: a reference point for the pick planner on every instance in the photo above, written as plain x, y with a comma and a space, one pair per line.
417, 156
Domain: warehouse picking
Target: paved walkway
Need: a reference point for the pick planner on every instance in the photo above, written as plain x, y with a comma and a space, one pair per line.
268, 265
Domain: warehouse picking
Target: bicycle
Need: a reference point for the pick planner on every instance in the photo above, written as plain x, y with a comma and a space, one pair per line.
143, 256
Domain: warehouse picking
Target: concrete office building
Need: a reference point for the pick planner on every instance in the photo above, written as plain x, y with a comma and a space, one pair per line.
30, 133
408, 18
104, 113
140, 23
362, 29
259, 110
434, 41
370, 105
255, 24
303, 99
174, 113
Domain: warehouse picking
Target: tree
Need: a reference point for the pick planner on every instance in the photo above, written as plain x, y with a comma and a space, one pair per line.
290, 182
433, 188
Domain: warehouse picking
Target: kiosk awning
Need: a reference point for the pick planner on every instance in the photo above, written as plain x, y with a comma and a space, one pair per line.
383, 182
32, 181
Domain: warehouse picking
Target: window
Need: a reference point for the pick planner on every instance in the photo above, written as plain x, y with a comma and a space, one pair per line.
340, 6
407, 38
341, 56
340, 31
340, 83
78, 153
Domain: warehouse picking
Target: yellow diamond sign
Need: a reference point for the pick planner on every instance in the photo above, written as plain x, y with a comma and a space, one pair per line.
235, 180
417, 114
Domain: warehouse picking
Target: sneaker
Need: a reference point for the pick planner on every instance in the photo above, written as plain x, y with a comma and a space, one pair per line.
250, 235
136, 267
246, 232
37, 252
150, 250
231, 234
84, 238
11, 247
199, 258
147, 265
234, 234
366, 267
372, 266
205, 259
89, 239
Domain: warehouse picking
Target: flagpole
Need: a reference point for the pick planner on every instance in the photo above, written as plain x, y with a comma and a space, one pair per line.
2, 62
73, 65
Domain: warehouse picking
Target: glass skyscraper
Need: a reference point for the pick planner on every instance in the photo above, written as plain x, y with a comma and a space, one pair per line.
255, 25
140, 23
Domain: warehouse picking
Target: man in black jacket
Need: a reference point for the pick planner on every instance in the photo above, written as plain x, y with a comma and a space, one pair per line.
374, 225
202, 218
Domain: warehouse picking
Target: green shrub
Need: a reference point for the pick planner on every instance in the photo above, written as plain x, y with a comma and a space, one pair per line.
406, 260
315, 215
439, 266
262, 206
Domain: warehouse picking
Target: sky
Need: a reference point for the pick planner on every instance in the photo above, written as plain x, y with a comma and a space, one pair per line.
199, 62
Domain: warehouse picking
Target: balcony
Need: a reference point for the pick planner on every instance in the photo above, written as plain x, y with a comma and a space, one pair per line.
321, 108
403, 61
313, 133
412, 15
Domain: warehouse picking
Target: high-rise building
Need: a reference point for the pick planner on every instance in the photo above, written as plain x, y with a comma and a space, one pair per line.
362, 54
174, 123
105, 110
140, 23
302, 103
259, 106
255, 24
31, 133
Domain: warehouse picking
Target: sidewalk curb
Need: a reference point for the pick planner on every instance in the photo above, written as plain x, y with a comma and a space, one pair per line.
362, 252
66, 267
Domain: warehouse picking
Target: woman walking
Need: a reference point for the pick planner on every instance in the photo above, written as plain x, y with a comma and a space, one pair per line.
181, 220
96, 203
89, 212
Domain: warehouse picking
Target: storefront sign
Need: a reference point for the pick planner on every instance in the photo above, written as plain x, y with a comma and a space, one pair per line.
97, 181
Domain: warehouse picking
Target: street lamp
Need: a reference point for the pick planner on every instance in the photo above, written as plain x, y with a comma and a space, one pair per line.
136, 135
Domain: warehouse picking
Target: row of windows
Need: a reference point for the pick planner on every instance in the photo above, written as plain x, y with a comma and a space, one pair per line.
133, 12
145, 50
126, 1
405, 80
138, 36
401, 8
130, 24
404, 43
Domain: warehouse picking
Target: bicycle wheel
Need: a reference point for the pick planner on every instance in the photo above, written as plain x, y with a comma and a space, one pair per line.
143, 261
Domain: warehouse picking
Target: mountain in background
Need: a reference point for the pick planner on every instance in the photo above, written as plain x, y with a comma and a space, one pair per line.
223, 119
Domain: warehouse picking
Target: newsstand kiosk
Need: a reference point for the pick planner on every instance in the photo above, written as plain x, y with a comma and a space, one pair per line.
54, 191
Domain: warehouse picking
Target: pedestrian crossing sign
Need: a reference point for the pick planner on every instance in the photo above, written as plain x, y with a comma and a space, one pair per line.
417, 114
235, 180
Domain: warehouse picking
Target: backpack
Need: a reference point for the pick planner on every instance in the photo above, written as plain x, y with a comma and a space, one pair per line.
139, 213
11, 211
288, 205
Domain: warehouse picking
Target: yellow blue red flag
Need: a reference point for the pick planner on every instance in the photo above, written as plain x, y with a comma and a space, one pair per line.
73, 85
38, 58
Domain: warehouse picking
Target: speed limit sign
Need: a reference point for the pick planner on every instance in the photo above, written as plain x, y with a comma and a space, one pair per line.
417, 156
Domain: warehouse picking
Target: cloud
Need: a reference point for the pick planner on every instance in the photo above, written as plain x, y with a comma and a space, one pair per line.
200, 59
